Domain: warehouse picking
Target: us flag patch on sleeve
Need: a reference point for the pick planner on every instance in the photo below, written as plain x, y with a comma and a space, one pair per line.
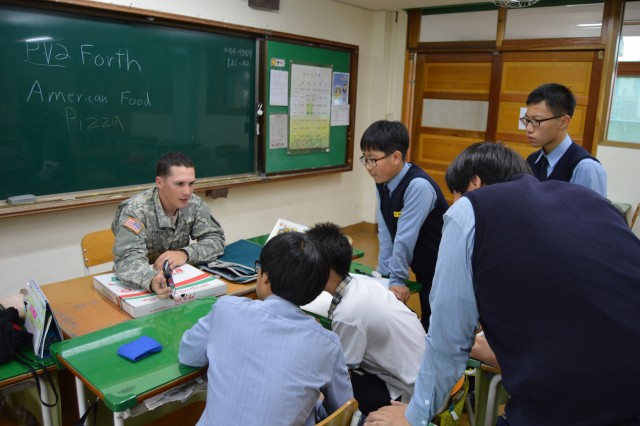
133, 225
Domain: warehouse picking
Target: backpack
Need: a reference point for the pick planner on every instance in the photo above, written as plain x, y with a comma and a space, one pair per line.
12, 337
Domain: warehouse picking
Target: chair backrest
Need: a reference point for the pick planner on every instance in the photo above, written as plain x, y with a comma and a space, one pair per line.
342, 416
97, 248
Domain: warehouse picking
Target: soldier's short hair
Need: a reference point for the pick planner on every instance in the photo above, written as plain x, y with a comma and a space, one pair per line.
171, 159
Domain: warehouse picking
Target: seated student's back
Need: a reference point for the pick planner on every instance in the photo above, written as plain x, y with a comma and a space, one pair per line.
268, 360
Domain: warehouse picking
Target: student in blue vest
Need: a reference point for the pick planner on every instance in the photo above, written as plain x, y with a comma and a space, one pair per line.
549, 111
410, 214
551, 271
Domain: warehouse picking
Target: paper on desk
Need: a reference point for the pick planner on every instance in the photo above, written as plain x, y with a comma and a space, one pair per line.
180, 393
284, 225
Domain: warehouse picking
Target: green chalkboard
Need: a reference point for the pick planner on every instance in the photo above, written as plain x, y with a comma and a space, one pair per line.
282, 57
90, 102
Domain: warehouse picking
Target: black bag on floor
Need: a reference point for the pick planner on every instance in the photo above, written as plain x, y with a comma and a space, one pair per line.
12, 337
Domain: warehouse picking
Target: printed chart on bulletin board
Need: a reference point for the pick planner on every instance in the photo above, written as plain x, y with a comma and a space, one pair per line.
307, 111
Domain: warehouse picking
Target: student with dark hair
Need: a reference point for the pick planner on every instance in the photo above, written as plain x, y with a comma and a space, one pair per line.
382, 339
550, 108
269, 362
158, 224
410, 211
542, 277
483, 162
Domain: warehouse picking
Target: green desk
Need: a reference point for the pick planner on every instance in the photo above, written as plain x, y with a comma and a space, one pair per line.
122, 384
15, 377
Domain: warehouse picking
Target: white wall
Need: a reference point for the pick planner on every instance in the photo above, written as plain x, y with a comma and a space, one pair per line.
623, 174
46, 246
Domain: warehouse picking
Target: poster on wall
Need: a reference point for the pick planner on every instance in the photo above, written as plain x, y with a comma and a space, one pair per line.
309, 108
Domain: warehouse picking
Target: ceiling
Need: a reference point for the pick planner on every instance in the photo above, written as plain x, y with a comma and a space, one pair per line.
395, 5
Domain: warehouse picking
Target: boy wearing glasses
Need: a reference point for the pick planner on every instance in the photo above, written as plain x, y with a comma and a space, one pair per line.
549, 111
268, 361
410, 211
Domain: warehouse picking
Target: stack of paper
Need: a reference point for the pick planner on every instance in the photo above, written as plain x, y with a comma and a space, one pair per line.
191, 283
40, 321
284, 225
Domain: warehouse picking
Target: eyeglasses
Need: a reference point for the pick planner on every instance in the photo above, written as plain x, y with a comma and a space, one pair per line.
372, 162
258, 266
535, 122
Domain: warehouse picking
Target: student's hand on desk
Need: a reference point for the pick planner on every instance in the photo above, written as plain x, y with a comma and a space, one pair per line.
175, 257
160, 287
391, 415
401, 291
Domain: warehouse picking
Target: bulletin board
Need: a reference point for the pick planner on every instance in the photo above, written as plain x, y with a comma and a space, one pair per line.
310, 105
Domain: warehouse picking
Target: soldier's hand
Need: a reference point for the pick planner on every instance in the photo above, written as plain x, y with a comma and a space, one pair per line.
175, 257
159, 286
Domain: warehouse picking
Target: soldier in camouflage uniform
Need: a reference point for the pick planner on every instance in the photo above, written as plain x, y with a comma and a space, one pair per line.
157, 225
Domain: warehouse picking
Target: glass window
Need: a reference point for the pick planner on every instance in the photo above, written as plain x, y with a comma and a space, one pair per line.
580, 20
450, 114
624, 119
468, 26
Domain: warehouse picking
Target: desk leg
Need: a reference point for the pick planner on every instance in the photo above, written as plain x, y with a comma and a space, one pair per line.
492, 408
82, 400
118, 418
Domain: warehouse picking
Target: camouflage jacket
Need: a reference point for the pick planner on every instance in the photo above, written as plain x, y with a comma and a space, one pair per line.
143, 232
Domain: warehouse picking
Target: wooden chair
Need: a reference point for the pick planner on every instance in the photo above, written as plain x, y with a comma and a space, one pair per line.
342, 416
97, 248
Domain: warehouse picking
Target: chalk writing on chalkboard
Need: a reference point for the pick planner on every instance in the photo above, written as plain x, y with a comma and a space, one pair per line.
90, 103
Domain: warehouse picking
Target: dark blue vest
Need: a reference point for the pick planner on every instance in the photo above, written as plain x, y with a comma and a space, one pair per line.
563, 169
557, 279
425, 252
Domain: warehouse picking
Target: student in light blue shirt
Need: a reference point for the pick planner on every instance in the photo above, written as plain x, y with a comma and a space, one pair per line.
518, 256
269, 362
550, 108
410, 211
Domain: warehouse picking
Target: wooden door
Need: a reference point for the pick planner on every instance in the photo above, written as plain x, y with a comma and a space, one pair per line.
524, 71
463, 98
452, 93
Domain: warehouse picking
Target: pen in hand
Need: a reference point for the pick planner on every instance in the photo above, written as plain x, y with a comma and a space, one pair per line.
166, 270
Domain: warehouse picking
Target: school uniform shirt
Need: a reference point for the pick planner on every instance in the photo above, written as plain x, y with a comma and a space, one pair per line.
144, 231
379, 334
396, 252
588, 172
268, 363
